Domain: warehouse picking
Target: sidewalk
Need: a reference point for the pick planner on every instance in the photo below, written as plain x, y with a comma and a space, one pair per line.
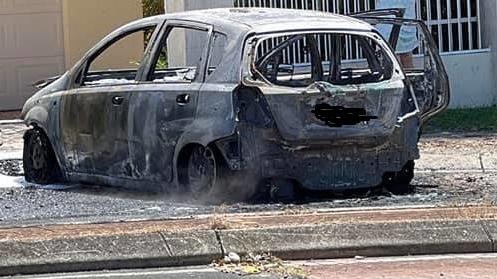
468, 266
446, 153
290, 236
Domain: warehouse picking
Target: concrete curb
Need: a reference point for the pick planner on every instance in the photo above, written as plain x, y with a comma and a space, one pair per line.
22, 252
11, 122
108, 252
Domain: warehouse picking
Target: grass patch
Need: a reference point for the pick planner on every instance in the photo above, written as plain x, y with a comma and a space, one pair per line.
464, 120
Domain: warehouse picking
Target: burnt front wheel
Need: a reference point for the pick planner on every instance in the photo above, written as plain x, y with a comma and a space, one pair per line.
39, 162
399, 183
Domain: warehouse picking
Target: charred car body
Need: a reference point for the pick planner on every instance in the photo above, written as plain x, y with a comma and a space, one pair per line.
324, 105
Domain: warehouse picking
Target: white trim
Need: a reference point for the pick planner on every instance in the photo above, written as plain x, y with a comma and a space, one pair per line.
464, 52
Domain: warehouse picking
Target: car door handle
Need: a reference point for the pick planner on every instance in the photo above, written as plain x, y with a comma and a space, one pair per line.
183, 99
117, 100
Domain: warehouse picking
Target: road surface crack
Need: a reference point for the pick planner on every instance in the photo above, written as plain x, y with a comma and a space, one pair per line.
481, 162
166, 244
220, 241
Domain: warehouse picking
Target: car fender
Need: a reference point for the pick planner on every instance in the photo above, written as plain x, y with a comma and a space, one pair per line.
204, 131
37, 116
44, 115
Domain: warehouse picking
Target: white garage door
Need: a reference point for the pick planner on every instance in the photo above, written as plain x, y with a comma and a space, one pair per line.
31, 47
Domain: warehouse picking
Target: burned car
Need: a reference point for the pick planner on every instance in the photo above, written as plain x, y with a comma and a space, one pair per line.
241, 100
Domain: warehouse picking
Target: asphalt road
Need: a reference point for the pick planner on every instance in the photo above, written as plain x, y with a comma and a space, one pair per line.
470, 266
165, 273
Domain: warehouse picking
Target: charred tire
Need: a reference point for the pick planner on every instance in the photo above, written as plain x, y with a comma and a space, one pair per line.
200, 171
39, 161
283, 190
206, 176
399, 183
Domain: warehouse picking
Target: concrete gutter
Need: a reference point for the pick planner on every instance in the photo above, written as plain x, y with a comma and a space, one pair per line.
291, 236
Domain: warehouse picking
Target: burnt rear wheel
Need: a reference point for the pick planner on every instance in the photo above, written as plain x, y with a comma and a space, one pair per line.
40, 164
201, 171
205, 175
399, 183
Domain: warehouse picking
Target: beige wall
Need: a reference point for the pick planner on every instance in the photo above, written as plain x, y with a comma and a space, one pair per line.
87, 21
31, 47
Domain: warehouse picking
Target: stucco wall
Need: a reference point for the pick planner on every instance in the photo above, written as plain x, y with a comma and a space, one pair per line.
189, 5
472, 79
87, 21
181, 41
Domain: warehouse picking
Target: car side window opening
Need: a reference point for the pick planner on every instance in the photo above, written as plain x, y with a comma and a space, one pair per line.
303, 59
180, 56
118, 63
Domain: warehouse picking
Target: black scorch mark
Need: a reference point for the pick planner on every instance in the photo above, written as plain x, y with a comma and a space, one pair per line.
338, 116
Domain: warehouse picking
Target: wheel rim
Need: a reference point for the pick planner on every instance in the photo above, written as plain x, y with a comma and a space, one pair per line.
201, 170
38, 154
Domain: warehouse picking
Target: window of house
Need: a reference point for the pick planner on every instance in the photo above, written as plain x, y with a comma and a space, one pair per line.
118, 62
181, 55
303, 59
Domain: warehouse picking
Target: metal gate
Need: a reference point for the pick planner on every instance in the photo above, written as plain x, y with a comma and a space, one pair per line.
455, 24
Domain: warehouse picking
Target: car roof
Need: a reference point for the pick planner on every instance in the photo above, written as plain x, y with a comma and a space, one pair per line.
262, 20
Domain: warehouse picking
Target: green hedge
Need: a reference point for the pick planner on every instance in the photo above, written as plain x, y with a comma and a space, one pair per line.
152, 7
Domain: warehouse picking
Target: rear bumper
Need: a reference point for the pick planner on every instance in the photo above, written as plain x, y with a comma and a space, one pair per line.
335, 170
343, 167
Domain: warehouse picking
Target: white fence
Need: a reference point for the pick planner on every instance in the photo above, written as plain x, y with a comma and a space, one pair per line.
455, 24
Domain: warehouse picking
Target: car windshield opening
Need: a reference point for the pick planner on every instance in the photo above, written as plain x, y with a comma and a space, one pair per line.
303, 59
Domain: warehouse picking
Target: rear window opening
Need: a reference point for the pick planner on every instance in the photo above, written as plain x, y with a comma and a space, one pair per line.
171, 65
304, 59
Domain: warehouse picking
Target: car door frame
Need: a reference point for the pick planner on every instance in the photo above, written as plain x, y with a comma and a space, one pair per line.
382, 13
163, 168
75, 88
439, 101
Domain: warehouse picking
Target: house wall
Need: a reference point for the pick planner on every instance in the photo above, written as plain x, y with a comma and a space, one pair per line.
181, 41
86, 22
473, 74
472, 78
44, 38
31, 47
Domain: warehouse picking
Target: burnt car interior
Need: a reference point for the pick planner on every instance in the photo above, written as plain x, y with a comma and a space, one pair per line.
303, 59
168, 66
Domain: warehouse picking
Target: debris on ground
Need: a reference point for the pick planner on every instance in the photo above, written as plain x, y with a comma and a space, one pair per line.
258, 264
11, 167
